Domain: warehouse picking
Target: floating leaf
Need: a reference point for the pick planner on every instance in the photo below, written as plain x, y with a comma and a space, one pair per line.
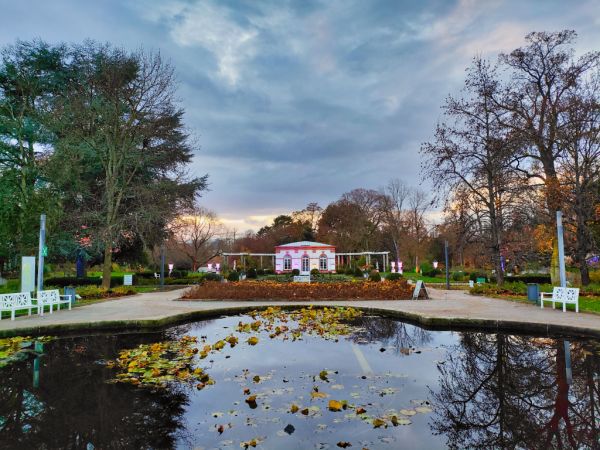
377, 422
334, 405
423, 409
252, 340
408, 412
294, 408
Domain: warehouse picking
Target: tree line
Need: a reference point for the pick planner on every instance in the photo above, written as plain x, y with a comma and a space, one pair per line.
93, 136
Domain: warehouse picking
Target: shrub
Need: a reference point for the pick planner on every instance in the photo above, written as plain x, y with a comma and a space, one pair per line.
211, 276
374, 275
296, 272
340, 270
432, 272
394, 276
358, 273
269, 272
260, 272
474, 275
315, 272
458, 276
233, 276
61, 282
349, 271
251, 274
533, 278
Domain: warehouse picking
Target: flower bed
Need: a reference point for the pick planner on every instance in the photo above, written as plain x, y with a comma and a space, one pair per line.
259, 290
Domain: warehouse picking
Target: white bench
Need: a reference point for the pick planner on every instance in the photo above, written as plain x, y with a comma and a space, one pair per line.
561, 295
16, 302
50, 298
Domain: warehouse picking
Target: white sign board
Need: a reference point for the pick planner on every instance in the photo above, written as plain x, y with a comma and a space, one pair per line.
302, 279
28, 274
128, 280
420, 287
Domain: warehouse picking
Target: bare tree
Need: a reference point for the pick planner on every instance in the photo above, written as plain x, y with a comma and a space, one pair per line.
473, 151
580, 166
194, 235
543, 73
394, 202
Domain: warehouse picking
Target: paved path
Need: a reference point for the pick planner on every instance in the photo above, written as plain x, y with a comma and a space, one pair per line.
446, 309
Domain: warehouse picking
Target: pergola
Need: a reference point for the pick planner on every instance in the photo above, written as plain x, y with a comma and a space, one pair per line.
243, 257
342, 258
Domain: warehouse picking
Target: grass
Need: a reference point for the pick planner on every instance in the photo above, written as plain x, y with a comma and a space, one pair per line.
589, 300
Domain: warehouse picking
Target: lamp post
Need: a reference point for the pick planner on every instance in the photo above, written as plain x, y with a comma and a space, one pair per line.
162, 266
447, 268
435, 264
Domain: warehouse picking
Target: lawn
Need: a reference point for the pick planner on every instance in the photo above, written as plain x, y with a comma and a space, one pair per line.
589, 300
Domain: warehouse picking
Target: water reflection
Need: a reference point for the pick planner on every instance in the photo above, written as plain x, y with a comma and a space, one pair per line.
69, 405
487, 391
391, 333
500, 391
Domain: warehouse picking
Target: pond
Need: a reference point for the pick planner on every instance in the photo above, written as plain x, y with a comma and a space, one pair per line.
354, 382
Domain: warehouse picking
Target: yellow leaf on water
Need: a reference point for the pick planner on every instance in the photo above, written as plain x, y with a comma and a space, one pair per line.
316, 394
378, 423
294, 408
334, 405
253, 340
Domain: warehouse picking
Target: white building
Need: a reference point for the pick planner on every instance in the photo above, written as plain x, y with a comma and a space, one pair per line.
305, 256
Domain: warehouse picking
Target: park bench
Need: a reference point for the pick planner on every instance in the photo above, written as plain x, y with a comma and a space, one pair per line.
16, 302
51, 298
562, 295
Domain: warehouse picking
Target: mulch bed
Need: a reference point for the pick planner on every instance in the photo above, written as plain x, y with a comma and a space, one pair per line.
268, 290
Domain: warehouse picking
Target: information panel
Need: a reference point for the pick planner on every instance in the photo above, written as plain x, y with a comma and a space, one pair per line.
28, 274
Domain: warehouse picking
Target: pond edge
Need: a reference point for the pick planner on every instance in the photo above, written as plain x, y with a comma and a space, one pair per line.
427, 322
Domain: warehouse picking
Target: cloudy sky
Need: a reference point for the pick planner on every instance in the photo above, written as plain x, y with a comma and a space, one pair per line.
299, 101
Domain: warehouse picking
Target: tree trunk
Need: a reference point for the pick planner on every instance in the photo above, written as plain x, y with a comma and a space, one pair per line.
107, 267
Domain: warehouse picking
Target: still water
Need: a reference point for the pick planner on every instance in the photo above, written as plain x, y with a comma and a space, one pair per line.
451, 389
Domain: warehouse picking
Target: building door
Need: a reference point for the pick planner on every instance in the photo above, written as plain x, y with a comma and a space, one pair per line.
305, 265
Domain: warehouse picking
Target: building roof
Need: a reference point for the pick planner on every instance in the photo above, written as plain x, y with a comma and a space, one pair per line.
305, 244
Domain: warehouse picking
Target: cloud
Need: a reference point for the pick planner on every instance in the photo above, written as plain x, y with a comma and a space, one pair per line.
293, 102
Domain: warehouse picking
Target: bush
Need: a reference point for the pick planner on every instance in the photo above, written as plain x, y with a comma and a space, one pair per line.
349, 271
358, 273
394, 276
260, 272
296, 272
251, 274
211, 276
374, 275
432, 272
458, 276
474, 275
340, 270
533, 278
315, 272
61, 282
233, 276
269, 272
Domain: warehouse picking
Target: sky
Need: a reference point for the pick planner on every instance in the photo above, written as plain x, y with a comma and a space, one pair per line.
292, 102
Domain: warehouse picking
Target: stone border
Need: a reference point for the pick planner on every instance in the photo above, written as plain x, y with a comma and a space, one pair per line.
429, 323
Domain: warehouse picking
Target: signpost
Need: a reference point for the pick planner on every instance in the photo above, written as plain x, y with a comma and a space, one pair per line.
128, 280
420, 288
28, 274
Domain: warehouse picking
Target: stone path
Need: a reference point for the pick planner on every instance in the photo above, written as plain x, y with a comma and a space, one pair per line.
446, 309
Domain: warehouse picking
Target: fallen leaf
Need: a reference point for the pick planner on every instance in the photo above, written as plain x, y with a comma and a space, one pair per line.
335, 405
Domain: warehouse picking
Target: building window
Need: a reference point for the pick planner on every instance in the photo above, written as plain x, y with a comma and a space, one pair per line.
323, 262
287, 262
305, 264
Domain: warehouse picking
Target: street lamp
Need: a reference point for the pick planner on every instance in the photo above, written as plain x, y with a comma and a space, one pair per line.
435, 264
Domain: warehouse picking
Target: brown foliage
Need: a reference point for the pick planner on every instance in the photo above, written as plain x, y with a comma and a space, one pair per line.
259, 290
